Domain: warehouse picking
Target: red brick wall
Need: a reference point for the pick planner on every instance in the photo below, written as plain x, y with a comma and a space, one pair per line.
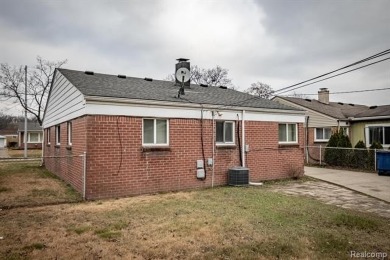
267, 159
63, 160
118, 166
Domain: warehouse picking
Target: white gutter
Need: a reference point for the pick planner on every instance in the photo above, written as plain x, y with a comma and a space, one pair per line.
368, 118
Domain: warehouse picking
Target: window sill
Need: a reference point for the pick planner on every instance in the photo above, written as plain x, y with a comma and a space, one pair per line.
155, 149
69, 147
287, 145
226, 146
321, 141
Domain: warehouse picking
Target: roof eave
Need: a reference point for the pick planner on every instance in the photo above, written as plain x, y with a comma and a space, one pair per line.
187, 105
367, 118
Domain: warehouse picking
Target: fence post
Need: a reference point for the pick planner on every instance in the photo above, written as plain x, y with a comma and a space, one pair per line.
84, 174
375, 159
320, 154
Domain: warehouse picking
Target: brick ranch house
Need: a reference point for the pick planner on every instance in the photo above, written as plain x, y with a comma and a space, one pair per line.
140, 137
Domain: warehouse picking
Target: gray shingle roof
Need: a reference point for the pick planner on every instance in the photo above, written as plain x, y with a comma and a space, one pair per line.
31, 126
136, 88
333, 109
375, 111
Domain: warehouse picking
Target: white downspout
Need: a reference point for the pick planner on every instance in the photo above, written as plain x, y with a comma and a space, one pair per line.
243, 138
213, 144
43, 146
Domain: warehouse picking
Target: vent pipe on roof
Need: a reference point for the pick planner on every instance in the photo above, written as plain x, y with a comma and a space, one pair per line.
89, 72
223, 87
148, 79
121, 76
323, 95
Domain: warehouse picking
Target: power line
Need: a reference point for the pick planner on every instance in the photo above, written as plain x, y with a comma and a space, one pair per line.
347, 66
347, 92
333, 76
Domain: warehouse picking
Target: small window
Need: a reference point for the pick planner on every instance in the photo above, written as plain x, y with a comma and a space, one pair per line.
58, 135
34, 137
322, 134
48, 135
225, 132
288, 133
69, 127
155, 132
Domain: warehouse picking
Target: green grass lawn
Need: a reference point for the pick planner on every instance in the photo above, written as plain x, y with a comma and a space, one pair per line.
31, 153
219, 223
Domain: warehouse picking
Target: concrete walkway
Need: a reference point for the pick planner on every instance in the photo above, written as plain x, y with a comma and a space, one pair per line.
367, 183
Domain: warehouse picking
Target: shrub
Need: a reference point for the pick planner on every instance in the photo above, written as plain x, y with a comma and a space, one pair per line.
295, 172
360, 157
338, 157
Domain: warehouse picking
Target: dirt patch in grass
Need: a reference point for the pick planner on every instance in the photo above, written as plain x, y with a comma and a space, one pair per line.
219, 223
28, 184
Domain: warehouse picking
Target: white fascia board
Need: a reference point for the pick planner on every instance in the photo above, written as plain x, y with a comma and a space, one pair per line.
193, 111
369, 118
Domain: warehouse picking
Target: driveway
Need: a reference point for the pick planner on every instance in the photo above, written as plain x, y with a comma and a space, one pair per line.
3, 153
367, 183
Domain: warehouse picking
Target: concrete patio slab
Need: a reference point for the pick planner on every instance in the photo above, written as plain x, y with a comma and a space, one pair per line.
368, 183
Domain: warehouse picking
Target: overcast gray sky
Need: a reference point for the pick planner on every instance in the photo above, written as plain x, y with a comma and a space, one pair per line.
276, 42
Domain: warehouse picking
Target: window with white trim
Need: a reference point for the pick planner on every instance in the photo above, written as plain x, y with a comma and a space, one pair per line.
224, 132
322, 134
155, 132
48, 135
288, 133
69, 127
58, 134
34, 137
378, 133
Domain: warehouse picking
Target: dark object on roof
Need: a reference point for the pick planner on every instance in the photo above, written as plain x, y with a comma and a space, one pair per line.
351, 104
121, 76
340, 103
204, 85
148, 79
373, 107
308, 100
223, 87
104, 85
89, 72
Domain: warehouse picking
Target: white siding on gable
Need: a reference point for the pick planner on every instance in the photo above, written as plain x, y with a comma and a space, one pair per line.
65, 102
316, 119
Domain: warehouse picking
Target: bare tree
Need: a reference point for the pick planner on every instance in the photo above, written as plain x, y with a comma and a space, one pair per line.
299, 95
214, 77
260, 89
12, 85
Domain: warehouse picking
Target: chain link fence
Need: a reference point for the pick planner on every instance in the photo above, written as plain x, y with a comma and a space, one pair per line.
364, 159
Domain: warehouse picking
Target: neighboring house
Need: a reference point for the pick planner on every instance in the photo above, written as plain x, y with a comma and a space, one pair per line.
8, 138
372, 125
34, 135
323, 118
140, 137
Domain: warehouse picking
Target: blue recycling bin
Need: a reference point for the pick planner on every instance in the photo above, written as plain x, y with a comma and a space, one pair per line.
383, 162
